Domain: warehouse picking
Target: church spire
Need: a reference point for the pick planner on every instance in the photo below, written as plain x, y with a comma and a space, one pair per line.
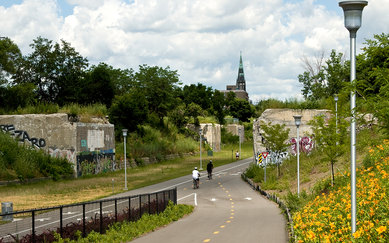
240, 81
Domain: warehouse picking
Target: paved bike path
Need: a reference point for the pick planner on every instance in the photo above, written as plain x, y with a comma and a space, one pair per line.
227, 210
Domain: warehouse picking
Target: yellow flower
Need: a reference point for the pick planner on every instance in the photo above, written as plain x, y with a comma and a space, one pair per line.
311, 235
381, 229
357, 234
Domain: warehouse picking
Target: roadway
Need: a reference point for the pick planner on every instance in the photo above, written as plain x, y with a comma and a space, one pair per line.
226, 210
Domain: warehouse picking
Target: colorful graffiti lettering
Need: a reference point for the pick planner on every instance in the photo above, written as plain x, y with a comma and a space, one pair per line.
22, 136
95, 162
273, 158
306, 145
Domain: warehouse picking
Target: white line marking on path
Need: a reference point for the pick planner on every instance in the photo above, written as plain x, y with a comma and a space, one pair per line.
70, 213
195, 198
248, 198
235, 174
42, 219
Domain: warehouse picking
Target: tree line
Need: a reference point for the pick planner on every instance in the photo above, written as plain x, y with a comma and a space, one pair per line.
56, 73
323, 79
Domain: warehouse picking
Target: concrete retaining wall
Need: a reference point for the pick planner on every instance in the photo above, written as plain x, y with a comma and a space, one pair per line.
211, 134
58, 136
234, 130
285, 116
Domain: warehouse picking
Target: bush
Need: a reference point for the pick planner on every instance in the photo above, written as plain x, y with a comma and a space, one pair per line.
24, 162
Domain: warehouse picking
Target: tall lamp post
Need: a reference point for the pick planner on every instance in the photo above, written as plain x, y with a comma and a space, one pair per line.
201, 134
336, 128
240, 141
297, 121
125, 160
352, 21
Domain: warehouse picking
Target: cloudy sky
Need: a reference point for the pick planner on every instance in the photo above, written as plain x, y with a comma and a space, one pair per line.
202, 39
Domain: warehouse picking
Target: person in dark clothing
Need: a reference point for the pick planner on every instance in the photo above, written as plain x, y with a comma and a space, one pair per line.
209, 169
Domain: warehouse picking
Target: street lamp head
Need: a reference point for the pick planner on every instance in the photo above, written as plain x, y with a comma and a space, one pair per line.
352, 15
336, 98
124, 132
297, 120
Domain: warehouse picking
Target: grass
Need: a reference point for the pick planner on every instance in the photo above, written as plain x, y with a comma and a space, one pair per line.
53, 193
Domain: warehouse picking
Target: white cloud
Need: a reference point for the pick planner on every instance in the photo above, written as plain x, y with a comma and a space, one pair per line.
24, 22
199, 38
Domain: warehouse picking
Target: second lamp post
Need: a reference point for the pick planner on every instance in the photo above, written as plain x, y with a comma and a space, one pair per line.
297, 120
125, 160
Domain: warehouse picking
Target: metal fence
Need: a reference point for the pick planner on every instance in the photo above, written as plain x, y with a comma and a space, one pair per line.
39, 225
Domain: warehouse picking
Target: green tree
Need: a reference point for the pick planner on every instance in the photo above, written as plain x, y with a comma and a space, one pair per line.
10, 58
330, 138
198, 94
276, 138
218, 104
371, 64
194, 110
373, 79
17, 96
241, 109
159, 85
324, 80
128, 111
98, 87
57, 70
177, 116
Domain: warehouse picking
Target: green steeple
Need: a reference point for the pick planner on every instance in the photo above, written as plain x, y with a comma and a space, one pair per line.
240, 81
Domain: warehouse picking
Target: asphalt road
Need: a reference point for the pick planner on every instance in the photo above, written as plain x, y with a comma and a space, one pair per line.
226, 210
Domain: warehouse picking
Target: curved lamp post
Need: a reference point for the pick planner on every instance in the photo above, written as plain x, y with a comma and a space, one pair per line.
125, 160
297, 121
353, 21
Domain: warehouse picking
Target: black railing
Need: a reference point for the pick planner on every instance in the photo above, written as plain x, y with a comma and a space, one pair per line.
39, 225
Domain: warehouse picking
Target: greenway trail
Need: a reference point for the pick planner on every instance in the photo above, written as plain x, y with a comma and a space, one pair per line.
226, 210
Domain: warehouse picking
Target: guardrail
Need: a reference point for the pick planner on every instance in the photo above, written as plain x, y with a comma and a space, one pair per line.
275, 199
40, 225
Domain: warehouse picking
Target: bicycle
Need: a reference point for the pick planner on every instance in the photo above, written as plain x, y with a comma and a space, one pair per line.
196, 183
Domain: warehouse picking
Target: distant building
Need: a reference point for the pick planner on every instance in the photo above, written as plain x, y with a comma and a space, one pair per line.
240, 87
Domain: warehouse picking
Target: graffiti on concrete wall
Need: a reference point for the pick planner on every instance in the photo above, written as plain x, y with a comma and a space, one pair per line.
95, 162
69, 154
306, 145
22, 136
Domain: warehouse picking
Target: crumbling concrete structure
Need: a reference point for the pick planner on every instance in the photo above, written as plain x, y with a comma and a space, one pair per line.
54, 133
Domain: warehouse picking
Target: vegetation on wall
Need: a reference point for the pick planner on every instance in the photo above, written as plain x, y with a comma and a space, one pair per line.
24, 162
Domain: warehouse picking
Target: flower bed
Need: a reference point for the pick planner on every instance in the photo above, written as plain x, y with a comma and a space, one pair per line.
328, 217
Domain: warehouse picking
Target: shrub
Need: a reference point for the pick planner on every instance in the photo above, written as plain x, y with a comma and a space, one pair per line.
24, 162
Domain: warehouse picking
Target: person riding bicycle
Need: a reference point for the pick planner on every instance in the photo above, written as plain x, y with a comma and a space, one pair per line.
209, 169
196, 176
